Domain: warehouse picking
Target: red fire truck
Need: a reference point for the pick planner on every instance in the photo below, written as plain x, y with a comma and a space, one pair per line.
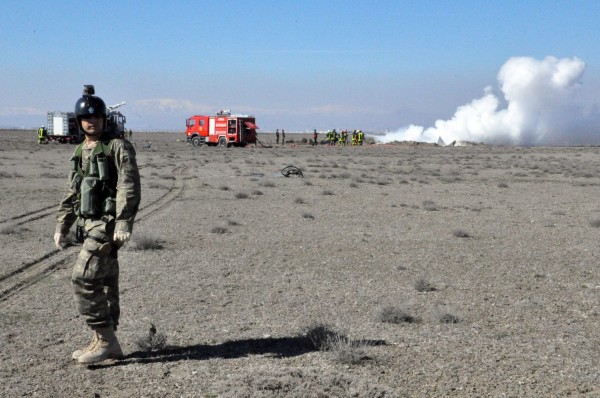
223, 129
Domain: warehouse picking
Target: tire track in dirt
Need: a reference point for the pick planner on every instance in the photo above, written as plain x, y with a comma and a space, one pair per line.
34, 215
176, 191
30, 216
31, 272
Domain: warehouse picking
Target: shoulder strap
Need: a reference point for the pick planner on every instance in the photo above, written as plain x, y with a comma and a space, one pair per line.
102, 147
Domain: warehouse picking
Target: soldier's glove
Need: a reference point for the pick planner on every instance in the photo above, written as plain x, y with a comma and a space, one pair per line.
59, 240
121, 237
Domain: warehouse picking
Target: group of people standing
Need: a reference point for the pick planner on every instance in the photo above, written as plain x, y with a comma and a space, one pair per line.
341, 138
282, 136
332, 137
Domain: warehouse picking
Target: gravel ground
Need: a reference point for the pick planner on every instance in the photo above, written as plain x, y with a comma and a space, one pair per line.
440, 271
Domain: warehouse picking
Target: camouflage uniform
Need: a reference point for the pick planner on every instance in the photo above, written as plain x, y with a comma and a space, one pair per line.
96, 272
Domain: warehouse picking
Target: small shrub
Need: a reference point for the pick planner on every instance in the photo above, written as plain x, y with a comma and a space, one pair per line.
146, 243
267, 184
394, 314
321, 336
348, 352
224, 188
241, 195
353, 185
460, 233
257, 193
424, 285
152, 341
595, 222
327, 192
445, 316
429, 205
308, 216
299, 201
154, 185
12, 229
502, 185
51, 175
219, 230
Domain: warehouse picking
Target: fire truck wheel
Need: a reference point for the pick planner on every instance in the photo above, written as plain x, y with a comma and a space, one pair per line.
196, 141
223, 141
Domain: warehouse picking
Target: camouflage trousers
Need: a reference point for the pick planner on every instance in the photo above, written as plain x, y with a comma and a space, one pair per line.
96, 275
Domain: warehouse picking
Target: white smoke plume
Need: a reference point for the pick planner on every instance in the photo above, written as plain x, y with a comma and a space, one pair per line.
543, 107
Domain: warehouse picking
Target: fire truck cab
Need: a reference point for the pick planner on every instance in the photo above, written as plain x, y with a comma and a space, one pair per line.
223, 129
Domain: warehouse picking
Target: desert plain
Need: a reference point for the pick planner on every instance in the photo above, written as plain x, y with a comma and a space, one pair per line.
431, 271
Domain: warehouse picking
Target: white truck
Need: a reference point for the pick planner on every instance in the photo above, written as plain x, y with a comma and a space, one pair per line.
62, 127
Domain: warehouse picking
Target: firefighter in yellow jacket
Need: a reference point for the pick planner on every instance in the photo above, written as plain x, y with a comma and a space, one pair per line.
103, 196
42, 135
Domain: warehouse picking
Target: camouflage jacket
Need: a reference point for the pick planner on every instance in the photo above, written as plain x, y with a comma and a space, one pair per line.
128, 189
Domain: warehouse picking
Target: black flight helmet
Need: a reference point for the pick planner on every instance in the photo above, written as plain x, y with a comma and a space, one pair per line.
89, 105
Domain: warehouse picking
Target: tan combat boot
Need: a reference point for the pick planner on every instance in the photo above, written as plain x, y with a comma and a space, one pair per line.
107, 347
90, 347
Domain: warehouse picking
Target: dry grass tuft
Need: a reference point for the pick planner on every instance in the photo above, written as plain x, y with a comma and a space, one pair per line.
152, 341
460, 233
429, 205
321, 336
424, 285
395, 314
146, 243
444, 315
12, 229
219, 230
267, 184
348, 352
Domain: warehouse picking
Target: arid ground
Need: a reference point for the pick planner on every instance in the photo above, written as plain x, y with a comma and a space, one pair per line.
435, 271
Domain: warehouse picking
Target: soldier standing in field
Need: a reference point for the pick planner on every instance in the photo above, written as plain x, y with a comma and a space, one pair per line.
282, 137
277, 137
103, 196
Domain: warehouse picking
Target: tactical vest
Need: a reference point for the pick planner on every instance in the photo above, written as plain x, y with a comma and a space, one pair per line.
96, 186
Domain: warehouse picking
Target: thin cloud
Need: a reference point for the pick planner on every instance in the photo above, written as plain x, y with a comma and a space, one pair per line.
168, 105
22, 111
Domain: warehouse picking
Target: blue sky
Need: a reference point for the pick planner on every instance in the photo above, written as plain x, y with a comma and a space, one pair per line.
296, 65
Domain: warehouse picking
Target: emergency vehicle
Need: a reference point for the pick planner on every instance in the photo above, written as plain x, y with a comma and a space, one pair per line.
223, 129
62, 126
